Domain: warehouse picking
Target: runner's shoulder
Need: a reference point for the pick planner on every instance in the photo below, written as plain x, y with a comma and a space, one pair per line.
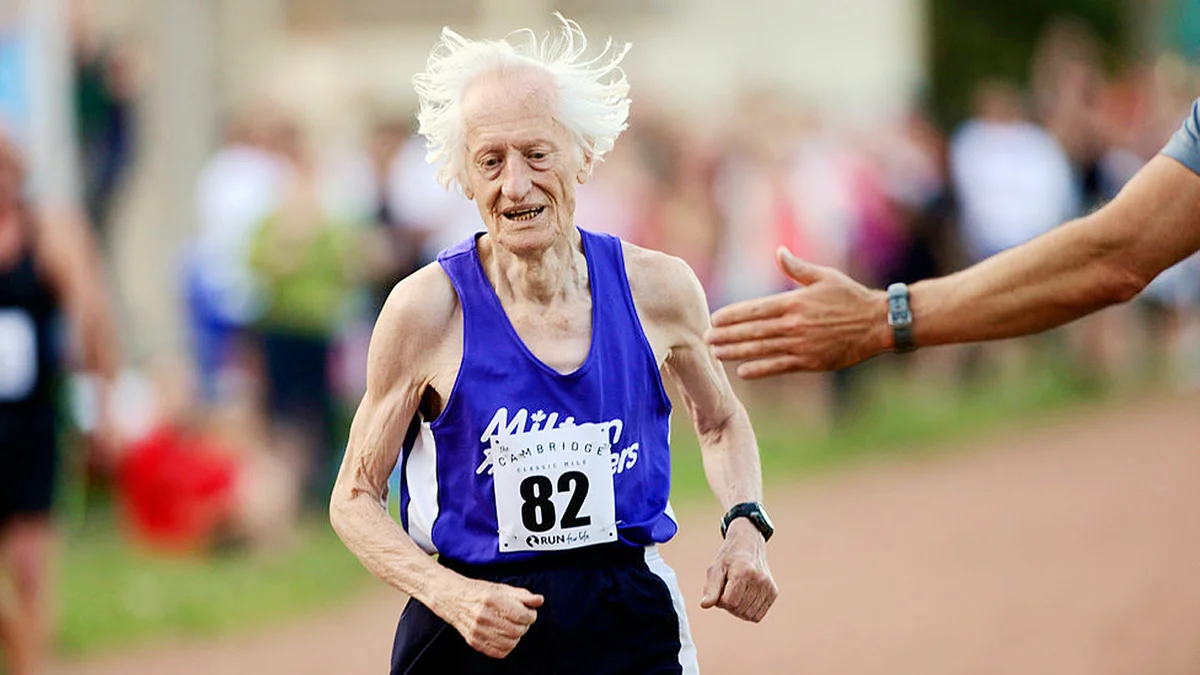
664, 287
423, 305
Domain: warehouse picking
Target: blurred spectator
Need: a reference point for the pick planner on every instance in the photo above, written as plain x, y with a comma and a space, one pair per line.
617, 197
676, 211
49, 265
1011, 177
1067, 82
105, 89
198, 477
402, 243
305, 262
177, 488
443, 217
685, 216
357, 189
847, 219
238, 186
758, 210
914, 166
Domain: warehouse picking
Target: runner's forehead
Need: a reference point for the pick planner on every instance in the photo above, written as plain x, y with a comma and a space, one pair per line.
511, 106
523, 88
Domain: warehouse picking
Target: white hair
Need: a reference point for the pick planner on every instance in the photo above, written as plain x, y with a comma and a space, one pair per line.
593, 101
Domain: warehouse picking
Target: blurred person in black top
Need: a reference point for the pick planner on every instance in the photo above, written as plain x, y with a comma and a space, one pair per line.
49, 266
105, 89
401, 243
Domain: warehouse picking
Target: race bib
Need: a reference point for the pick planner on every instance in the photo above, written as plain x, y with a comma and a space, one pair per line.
554, 489
18, 354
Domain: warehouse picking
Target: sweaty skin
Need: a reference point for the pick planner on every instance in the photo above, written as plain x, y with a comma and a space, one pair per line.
522, 170
1101, 259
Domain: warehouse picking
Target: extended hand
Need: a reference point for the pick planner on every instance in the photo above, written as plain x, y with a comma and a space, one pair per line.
491, 617
738, 580
830, 322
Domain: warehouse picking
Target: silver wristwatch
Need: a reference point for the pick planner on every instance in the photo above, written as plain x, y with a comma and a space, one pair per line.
900, 318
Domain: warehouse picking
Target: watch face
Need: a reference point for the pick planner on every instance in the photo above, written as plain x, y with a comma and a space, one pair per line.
762, 515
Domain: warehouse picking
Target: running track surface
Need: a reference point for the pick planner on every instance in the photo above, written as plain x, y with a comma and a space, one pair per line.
1072, 548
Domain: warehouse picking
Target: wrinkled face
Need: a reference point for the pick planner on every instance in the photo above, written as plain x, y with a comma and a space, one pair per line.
521, 164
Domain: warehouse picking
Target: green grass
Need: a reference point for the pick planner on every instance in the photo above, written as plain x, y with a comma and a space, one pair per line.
897, 418
114, 596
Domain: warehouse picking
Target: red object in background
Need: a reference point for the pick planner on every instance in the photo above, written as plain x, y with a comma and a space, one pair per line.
176, 488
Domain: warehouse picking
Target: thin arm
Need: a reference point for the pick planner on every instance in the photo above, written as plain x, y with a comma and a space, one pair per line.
358, 510
727, 442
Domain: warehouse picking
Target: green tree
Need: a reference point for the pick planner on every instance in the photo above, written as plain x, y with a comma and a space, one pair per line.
974, 40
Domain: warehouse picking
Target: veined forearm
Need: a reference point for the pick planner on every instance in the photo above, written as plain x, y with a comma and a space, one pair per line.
1050, 281
384, 548
731, 463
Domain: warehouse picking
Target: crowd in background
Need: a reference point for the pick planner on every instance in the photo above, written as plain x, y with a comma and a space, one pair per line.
295, 252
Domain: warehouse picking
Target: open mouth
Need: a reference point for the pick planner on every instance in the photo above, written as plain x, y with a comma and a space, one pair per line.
524, 213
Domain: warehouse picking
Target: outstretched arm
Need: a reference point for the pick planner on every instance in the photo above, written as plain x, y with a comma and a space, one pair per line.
676, 313
1102, 259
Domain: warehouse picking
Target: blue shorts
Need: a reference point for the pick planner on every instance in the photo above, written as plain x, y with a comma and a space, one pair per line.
609, 610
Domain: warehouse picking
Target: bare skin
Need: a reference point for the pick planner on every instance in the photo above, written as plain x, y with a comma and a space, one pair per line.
65, 254
1102, 259
520, 161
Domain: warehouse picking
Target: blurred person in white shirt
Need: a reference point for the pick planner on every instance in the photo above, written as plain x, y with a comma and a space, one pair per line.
238, 186
445, 217
1011, 177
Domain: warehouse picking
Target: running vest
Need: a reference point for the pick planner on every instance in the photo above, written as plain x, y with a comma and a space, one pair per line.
28, 348
525, 460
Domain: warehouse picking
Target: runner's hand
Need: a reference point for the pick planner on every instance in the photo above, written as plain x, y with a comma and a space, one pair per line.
739, 581
492, 617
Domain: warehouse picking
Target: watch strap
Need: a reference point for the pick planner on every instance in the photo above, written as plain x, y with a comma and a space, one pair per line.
900, 318
752, 511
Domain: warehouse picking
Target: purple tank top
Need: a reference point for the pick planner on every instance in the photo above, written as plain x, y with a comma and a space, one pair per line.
447, 493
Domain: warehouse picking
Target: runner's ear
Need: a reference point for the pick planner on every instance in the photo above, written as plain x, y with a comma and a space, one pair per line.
585, 166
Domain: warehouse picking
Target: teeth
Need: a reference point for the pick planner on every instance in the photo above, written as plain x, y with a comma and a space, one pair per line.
525, 215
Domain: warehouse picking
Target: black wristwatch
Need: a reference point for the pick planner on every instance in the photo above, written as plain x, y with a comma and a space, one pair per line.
900, 318
755, 512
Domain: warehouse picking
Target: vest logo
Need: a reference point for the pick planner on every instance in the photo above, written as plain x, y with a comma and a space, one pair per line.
522, 422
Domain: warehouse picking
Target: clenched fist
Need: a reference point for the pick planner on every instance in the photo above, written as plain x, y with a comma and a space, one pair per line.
491, 617
738, 580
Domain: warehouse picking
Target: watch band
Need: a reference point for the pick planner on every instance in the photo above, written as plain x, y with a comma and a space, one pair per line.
900, 318
755, 513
